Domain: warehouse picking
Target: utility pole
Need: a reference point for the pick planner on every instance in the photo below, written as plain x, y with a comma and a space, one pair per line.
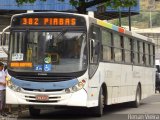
129, 18
120, 22
151, 7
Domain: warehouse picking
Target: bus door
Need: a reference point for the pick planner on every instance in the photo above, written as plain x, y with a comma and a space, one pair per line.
94, 75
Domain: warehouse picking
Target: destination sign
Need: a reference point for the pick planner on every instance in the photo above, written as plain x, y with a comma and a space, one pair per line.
48, 21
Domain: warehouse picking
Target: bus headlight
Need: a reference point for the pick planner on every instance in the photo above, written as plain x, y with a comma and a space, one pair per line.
8, 81
15, 88
67, 90
12, 86
74, 88
77, 87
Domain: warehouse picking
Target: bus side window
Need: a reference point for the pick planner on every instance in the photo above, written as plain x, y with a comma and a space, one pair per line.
147, 53
135, 51
106, 45
144, 52
117, 47
141, 52
152, 54
127, 49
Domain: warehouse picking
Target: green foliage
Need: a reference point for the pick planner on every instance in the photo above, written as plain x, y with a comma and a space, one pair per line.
155, 19
20, 2
141, 20
121, 3
74, 3
115, 22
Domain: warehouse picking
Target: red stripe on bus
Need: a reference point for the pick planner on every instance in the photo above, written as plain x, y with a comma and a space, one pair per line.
120, 30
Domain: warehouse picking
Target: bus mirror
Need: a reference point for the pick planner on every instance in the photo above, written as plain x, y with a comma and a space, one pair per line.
4, 40
4, 43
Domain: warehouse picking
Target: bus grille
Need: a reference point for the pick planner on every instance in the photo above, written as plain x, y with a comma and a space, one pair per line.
39, 90
44, 79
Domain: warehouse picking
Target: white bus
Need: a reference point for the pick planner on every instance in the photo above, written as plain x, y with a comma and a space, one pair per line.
66, 59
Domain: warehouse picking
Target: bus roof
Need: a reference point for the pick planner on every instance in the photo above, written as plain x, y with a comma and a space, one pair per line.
101, 23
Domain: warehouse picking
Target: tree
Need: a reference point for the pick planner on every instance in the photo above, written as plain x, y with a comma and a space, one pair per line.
82, 5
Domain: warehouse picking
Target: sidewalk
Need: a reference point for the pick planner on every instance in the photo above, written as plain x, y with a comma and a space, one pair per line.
16, 112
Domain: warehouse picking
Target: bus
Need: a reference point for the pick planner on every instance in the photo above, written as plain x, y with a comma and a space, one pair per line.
67, 59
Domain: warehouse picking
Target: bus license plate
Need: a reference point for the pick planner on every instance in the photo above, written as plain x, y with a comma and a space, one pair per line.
42, 98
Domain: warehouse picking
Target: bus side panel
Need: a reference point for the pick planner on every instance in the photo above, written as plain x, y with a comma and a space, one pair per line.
112, 79
127, 88
122, 81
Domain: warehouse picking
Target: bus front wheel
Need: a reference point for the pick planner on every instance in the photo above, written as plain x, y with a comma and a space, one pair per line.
34, 112
98, 111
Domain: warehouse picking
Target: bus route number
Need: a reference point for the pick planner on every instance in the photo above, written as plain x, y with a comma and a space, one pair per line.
30, 21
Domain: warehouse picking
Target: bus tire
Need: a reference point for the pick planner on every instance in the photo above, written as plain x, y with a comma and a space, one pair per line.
98, 111
136, 103
34, 112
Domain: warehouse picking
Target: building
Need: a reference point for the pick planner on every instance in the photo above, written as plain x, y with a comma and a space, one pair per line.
153, 33
10, 7
151, 28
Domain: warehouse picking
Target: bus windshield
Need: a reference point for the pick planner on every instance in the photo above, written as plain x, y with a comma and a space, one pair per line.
48, 51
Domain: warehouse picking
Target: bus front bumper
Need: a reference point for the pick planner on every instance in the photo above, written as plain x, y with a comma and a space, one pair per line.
78, 98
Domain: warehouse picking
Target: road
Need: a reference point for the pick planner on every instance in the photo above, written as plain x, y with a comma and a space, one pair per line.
148, 110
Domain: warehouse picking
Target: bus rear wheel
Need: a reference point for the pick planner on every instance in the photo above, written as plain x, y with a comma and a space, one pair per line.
136, 103
98, 111
34, 112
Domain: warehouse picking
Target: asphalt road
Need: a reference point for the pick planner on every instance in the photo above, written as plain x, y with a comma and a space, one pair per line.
148, 110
